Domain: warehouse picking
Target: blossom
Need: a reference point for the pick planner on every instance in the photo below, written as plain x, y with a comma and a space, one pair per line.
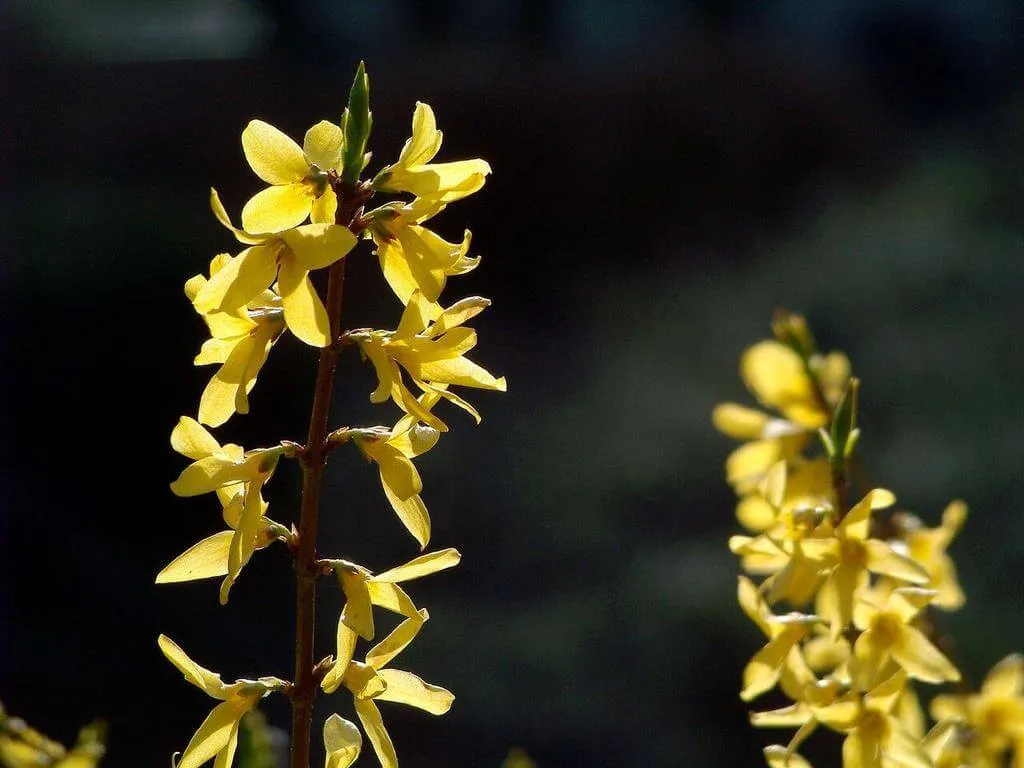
927, 546
298, 176
413, 257
372, 680
363, 590
240, 341
393, 450
288, 256
432, 353
238, 476
217, 737
994, 715
887, 632
416, 174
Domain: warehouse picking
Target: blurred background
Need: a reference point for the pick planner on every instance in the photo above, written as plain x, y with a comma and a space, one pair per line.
665, 174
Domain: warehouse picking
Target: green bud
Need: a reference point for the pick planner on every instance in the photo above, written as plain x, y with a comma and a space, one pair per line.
356, 123
844, 432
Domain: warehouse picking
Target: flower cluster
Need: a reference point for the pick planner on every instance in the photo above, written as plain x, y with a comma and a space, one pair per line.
847, 594
21, 746
310, 217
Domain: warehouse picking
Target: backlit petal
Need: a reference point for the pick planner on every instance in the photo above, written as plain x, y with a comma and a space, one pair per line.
407, 688
207, 681
204, 560
342, 742
323, 144
273, 156
304, 312
370, 717
423, 565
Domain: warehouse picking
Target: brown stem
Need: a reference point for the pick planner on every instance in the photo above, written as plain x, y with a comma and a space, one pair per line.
314, 459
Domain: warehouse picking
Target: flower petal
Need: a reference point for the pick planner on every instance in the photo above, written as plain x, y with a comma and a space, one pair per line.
345, 648
204, 560
922, 660
413, 514
207, 681
240, 281
272, 155
342, 742
407, 688
304, 313
215, 734
396, 642
317, 246
277, 209
192, 440
423, 565
373, 724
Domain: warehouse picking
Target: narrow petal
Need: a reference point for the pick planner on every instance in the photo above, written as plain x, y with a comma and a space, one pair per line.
452, 181
207, 681
191, 439
272, 155
396, 642
407, 688
1006, 678
922, 660
207, 475
342, 742
423, 565
459, 313
325, 208
391, 597
304, 313
204, 560
276, 209
413, 514
227, 755
373, 724
220, 397
425, 141
345, 647
317, 246
778, 756
885, 560
461, 372
358, 612
398, 475
214, 734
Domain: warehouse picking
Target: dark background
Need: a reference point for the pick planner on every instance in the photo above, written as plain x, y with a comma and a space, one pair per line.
665, 174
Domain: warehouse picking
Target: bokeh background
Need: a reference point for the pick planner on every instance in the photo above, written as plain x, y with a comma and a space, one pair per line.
665, 174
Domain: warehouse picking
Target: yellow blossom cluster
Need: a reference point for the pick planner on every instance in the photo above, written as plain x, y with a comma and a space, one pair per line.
21, 746
310, 216
847, 594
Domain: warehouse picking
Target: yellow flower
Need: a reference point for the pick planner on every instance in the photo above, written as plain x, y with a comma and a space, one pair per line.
777, 377
416, 174
928, 547
238, 478
363, 590
373, 681
298, 176
995, 715
393, 450
240, 342
225, 553
887, 633
432, 353
288, 256
217, 737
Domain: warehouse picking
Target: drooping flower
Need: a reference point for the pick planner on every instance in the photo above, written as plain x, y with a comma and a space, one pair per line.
240, 342
298, 176
288, 256
927, 546
432, 353
372, 681
217, 737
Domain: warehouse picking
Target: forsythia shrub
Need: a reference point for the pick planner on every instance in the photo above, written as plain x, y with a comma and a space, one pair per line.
864, 584
249, 301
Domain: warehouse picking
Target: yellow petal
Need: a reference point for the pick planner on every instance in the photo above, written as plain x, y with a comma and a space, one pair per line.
221, 396
739, 422
276, 209
251, 271
458, 313
792, 716
397, 270
423, 565
243, 543
345, 646
191, 439
207, 475
776, 376
754, 513
860, 752
1006, 678
222, 216
207, 681
451, 181
273, 156
425, 140
407, 688
461, 372
358, 612
922, 660
323, 144
416, 440
391, 597
885, 560
342, 742
413, 514
370, 717
779, 757
204, 560
215, 734
325, 208
227, 755
398, 475
316, 246
304, 313
396, 642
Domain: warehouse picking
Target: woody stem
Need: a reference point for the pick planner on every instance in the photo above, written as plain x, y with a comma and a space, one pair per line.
314, 459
